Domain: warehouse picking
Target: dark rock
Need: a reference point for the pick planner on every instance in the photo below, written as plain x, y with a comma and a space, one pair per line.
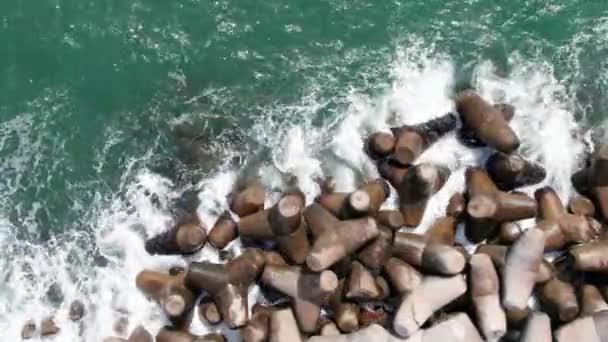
54, 294
175, 270
77, 310
120, 326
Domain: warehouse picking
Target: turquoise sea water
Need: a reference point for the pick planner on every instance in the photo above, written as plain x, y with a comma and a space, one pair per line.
91, 92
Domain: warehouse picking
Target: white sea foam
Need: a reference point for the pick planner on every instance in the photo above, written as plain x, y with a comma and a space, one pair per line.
422, 87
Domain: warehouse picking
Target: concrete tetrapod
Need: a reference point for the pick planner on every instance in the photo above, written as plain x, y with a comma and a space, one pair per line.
176, 300
589, 329
485, 295
321, 221
345, 314
521, 267
488, 206
249, 200
403, 277
443, 231
283, 224
228, 283
330, 329
417, 186
487, 122
361, 284
139, 334
257, 329
592, 300
433, 257
433, 294
365, 201
223, 232
392, 173
170, 335
376, 252
594, 180
498, 255
560, 227
537, 328
508, 233
580, 205
511, 171
456, 206
208, 312
379, 145
288, 227
372, 333
559, 299
383, 288
591, 257
456, 328
283, 327
308, 291
412, 140
184, 238
391, 219
338, 241
469, 138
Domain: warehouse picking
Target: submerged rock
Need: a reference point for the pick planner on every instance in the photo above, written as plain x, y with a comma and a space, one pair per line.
54, 294
77, 310
121, 324
175, 270
48, 327
29, 329
140, 334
